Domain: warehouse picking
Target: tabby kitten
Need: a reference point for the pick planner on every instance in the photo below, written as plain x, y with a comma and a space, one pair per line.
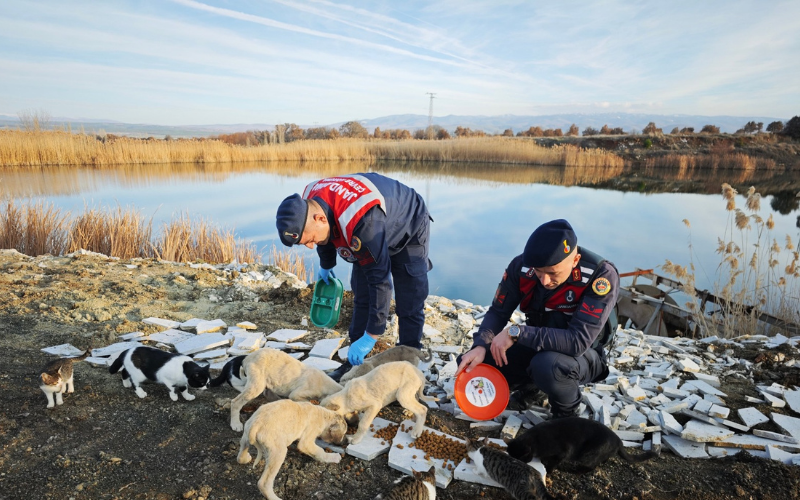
56, 378
177, 372
585, 442
522, 481
422, 486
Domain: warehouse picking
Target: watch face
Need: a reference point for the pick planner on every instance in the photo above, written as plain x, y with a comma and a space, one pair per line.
514, 331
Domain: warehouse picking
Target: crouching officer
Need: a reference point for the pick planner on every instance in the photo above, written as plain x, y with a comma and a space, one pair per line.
568, 295
380, 226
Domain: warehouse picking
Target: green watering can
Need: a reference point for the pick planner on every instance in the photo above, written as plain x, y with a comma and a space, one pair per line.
326, 303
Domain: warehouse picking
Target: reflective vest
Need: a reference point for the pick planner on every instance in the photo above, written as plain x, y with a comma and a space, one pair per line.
349, 197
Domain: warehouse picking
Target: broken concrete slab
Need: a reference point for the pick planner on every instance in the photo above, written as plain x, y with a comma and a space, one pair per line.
749, 441
170, 337
792, 398
326, 348
190, 324
210, 326
99, 362
132, 336
287, 335
246, 325
211, 355
775, 436
430, 331
112, 349
788, 424
705, 388
202, 342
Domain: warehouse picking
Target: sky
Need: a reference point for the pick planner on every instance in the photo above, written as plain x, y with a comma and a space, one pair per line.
317, 62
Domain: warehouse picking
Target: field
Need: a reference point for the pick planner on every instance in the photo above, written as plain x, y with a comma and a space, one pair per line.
105, 443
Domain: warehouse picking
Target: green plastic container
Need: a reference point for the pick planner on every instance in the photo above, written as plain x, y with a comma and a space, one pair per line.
326, 303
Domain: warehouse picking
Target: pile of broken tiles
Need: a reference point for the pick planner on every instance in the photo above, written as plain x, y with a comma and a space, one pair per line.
651, 380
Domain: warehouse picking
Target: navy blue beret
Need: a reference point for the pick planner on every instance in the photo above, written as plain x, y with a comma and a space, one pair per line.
549, 244
291, 219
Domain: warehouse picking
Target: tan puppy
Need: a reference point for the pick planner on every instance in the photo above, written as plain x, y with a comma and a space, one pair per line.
282, 374
396, 353
274, 426
397, 381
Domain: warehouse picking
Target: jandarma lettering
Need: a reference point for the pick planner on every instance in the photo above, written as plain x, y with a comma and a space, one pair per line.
338, 189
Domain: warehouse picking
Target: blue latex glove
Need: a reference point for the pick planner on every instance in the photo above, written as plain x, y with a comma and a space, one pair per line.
323, 274
360, 348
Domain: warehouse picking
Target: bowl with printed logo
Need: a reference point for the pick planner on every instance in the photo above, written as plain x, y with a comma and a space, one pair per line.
482, 393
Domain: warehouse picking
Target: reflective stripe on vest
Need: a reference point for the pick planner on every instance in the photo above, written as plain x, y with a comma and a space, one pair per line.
349, 198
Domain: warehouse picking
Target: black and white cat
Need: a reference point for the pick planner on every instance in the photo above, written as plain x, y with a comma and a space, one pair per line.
520, 480
231, 373
585, 442
420, 486
142, 364
56, 378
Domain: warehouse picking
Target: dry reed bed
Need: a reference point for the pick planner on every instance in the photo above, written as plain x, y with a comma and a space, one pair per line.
37, 228
18, 148
686, 164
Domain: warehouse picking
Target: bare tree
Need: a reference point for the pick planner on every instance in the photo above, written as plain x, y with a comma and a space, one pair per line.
34, 120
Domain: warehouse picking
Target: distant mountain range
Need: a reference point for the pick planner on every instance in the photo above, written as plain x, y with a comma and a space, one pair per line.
489, 124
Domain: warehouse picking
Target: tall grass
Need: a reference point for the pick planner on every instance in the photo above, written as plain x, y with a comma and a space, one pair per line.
36, 228
756, 273
291, 262
35, 148
686, 164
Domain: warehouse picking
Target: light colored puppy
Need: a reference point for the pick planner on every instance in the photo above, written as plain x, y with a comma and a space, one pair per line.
282, 374
396, 381
274, 426
396, 353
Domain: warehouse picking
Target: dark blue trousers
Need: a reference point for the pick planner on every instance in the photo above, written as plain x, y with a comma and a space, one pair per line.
410, 269
558, 375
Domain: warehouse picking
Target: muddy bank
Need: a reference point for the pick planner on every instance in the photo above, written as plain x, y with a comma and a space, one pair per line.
105, 443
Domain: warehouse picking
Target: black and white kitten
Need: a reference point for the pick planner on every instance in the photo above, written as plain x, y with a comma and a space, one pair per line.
520, 480
142, 364
585, 442
231, 374
56, 378
420, 486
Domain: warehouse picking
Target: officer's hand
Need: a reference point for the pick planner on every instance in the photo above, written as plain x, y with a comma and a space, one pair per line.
500, 345
471, 359
360, 348
323, 274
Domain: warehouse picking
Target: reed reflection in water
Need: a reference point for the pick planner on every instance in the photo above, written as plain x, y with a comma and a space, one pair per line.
483, 213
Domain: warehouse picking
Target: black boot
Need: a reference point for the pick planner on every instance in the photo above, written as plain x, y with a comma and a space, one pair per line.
338, 373
575, 412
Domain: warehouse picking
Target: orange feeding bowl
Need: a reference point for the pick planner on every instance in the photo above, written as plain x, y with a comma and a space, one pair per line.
482, 393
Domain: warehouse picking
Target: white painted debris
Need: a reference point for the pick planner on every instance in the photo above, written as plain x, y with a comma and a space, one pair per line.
402, 458
775, 436
775, 453
703, 433
630, 435
483, 425
321, 363
370, 446
210, 326
203, 342
669, 424
99, 362
462, 304
787, 423
705, 388
166, 323
711, 380
109, 350
775, 402
298, 346
246, 325
687, 365
170, 337
342, 353
190, 324
447, 349
287, 335
448, 370
132, 336
211, 355
248, 343
749, 441
792, 398
684, 448
63, 351
325, 348
719, 411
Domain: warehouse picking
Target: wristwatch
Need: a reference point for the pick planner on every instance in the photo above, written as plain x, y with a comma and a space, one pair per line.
513, 332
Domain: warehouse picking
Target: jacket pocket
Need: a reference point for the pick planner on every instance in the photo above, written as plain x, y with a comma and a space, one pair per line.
418, 267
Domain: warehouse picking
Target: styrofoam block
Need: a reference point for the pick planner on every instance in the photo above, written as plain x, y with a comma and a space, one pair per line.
775, 402
118, 347
132, 336
202, 342
190, 324
706, 388
323, 364
684, 448
171, 336
749, 441
719, 411
775, 436
711, 380
101, 362
792, 398
246, 325
703, 433
211, 355
668, 423
212, 326
788, 424
430, 331
775, 453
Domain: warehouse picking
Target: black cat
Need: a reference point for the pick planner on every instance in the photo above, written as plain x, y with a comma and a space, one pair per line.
231, 374
585, 442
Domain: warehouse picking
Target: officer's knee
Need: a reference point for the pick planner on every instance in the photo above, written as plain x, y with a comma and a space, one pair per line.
543, 370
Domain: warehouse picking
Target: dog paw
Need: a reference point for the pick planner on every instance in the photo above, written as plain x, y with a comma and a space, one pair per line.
355, 439
244, 458
237, 426
51, 405
333, 458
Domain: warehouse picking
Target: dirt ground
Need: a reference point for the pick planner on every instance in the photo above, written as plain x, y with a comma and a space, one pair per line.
106, 443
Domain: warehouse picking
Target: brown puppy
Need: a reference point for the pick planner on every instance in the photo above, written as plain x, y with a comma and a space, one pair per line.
274, 426
283, 375
397, 381
396, 353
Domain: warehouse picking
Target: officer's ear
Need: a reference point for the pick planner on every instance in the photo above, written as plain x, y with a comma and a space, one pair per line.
320, 217
577, 259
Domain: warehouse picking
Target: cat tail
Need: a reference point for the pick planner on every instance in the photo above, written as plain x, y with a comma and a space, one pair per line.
425, 355
637, 458
117, 364
218, 381
83, 356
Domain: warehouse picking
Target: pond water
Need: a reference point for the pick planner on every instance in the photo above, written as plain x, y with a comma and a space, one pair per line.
483, 213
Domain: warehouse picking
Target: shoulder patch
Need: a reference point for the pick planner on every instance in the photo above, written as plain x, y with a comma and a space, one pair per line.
576, 274
355, 244
601, 286
591, 310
